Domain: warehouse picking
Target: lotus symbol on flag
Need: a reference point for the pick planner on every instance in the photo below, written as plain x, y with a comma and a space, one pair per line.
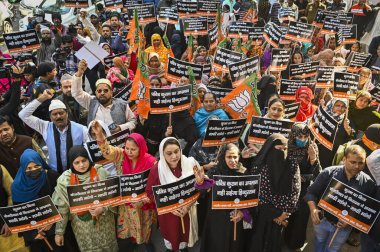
239, 102
142, 90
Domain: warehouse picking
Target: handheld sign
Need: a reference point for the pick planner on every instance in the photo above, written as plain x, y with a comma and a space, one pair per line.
286, 14
187, 8
300, 32
108, 61
145, 13
375, 92
353, 207
89, 196
356, 60
125, 93
178, 68
325, 75
22, 41
224, 57
332, 25
219, 132
347, 34
219, 92
324, 127
132, 187
206, 69
173, 196
207, 8
235, 192
345, 85
288, 88
241, 70
113, 4
291, 110
30, 215
304, 70
163, 101
196, 26
76, 3
117, 140
280, 59
92, 53
272, 34
256, 35
213, 36
261, 128
168, 15
239, 29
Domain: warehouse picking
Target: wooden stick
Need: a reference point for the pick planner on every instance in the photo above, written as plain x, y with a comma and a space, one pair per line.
235, 225
170, 119
183, 225
48, 244
217, 155
333, 237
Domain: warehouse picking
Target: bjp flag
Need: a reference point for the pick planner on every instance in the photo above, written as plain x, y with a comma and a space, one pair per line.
241, 102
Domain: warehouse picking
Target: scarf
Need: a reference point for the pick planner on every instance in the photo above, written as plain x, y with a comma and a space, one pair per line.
24, 188
144, 161
161, 50
329, 109
307, 109
222, 167
202, 116
57, 140
294, 151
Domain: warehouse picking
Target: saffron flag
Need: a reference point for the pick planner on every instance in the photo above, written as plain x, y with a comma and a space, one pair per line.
190, 47
195, 100
241, 102
134, 34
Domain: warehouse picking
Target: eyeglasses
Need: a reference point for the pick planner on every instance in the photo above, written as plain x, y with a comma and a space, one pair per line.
99, 91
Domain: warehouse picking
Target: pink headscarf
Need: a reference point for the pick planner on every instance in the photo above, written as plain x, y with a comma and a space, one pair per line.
144, 162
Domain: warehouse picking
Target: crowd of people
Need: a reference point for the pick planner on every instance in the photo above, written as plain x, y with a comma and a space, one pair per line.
52, 106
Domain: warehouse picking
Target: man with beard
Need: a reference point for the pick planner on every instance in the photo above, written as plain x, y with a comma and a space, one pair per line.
58, 29
115, 113
48, 46
60, 134
75, 111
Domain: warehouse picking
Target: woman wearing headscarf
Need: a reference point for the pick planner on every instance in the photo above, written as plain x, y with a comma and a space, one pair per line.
218, 231
267, 86
209, 111
365, 79
305, 152
280, 187
155, 66
120, 75
134, 219
336, 108
94, 230
34, 179
304, 95
177, 45
159, 48
172, 167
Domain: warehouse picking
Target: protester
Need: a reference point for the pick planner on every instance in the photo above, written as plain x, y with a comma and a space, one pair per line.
159, 48
304, 95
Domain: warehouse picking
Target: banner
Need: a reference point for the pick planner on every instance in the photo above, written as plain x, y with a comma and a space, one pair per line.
241, 70
256, 35
224, 57
175, 195
288, 88
220, 132
76, 3
187, 8
213, 36
89, 196
235, 192
286, 14
168, 15
356, 60
30, 215
324, 127
300, 32
291, 110
280, 59
325, 75
177, 68
132, 187
272, 34
22, 41
113, 4
196, 26
207, 8
117, 140
304, 70
145, 13
170, 100
261, 128
219, 92
345, 85
351, 206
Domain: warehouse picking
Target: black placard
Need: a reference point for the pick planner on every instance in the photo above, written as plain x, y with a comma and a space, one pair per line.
353, 207
125, 93
357, 60
108, 61
239, 29
300, 32
76, 3
304, 70
375, 92
195, 26
224, 57
178, 68
219, 132
241, 70
347, 34
291, 110
323, 14
175, 195
235, 192
261, 128
288, 88
345, 85
280, 59
92, 195
325, 75
132, 187
213, 37
208, 8
168, 15
286, 14
207, 69
145, 13
219, 92
272, 34
117, 140
187, 8
332, 25
113, 4
22, 41
163, 101
324, 127
256, 35
30, 215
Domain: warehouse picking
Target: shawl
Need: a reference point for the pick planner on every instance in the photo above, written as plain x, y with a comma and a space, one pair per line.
307, 109
202, 116
161, 50
24, 188
144, 162
329, 109
362, 118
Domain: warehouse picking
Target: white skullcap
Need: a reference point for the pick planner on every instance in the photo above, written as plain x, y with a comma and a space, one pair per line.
56, 104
